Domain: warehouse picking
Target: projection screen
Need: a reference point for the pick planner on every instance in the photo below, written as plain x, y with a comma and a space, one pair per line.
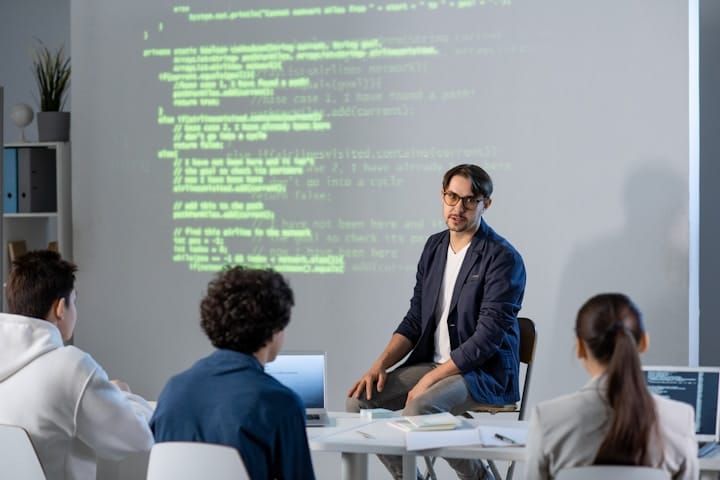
311, 137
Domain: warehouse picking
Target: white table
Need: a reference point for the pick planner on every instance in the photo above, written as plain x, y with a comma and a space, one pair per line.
377, 437
354, 448
710, 466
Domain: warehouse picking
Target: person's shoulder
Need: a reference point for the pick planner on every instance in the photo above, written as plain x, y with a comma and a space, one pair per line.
667, 405
187, 379
277, 389
496, 240
71, 357
561, 402
676, 422
278, 394
674, 415
436, 238
585, 401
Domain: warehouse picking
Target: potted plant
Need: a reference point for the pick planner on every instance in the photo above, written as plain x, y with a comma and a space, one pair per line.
52, 76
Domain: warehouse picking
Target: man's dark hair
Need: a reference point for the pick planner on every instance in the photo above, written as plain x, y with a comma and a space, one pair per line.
480, 180
36, 280
244, 308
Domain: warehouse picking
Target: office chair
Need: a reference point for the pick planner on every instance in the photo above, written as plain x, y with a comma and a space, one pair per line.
605, 472
528, 342
18, 459
195, 461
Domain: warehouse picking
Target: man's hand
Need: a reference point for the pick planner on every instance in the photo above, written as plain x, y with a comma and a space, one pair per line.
420, 387
376, 375
443, 370
396, 349
121, 385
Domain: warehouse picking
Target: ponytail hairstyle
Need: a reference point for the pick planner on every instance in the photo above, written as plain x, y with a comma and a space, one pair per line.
611, 327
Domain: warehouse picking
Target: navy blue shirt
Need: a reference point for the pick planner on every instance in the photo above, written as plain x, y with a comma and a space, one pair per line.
227, 398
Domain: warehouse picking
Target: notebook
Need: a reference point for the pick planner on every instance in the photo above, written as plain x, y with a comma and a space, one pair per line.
304, 373
696, 386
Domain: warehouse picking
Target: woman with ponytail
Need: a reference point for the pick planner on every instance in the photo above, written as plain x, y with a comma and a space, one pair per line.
614, 419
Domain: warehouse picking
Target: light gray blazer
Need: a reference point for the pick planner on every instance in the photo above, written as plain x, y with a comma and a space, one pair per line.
567, 431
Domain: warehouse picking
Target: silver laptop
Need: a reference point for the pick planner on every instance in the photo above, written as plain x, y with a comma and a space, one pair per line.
696, 386
304, 373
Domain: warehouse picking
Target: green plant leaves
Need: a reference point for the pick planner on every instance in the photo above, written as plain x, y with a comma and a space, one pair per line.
52, 75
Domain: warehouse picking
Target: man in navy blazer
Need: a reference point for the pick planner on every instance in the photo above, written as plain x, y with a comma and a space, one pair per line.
461, 329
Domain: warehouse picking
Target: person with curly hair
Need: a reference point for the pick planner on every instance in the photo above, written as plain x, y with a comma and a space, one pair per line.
227, 398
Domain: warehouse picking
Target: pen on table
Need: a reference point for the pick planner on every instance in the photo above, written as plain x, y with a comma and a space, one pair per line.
505, 439
364, 434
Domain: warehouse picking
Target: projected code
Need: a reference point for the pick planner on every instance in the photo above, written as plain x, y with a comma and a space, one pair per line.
269, 139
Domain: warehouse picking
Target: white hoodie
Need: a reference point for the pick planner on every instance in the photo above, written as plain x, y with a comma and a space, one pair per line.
65, 401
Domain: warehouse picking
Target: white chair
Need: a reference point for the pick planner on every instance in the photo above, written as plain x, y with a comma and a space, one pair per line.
18, 459
195, 461
611, 472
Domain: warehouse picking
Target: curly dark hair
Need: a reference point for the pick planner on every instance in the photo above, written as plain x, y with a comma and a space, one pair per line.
36, 280
244, 308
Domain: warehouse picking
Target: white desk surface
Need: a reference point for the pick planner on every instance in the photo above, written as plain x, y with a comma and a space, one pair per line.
378, 437
355, 449
342, 437
711, 463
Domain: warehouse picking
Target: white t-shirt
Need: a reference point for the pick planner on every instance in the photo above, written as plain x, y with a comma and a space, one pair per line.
453, 263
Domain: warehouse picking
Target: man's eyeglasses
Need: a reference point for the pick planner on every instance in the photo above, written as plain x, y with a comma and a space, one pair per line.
470, 203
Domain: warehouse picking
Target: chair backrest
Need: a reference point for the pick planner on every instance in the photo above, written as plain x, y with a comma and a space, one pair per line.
18, 459
528, 341
195, 461
607, 472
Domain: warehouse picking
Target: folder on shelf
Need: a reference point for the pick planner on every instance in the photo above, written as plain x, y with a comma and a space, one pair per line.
10, 198
36, 181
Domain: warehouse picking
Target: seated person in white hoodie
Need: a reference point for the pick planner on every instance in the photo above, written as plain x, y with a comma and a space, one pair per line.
58, 393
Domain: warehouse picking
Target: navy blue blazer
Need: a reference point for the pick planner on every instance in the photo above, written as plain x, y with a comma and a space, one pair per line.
482, 322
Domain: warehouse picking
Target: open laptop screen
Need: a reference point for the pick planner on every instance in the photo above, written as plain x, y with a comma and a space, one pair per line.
696, 386
304, 373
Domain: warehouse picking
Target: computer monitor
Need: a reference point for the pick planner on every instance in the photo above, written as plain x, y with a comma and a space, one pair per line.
696, 386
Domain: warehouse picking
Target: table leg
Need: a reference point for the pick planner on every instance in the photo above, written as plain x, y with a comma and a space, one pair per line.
354, 466
409, 467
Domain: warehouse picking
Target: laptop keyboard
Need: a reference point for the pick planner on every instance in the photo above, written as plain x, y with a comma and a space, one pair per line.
312, 416
707, 449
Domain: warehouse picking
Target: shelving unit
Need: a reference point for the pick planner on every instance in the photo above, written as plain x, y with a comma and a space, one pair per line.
38, 229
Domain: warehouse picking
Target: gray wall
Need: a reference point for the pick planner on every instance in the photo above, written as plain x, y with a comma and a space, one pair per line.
48, 20
21, 23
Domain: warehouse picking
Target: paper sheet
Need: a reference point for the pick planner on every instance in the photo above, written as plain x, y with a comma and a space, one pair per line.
417, 440
483, 435
513, 436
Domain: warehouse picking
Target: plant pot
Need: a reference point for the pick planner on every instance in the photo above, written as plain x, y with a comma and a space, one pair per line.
53, 126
